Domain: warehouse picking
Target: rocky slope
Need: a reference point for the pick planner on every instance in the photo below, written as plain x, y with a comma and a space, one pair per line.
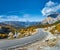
52, 18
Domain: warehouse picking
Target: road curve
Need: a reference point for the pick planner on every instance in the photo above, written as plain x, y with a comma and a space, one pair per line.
4, 44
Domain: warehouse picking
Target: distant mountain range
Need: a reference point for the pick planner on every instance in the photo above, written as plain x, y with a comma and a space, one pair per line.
52, 18
19, 24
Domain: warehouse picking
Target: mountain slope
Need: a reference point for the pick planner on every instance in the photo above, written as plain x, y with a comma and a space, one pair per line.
52, 18
18, 24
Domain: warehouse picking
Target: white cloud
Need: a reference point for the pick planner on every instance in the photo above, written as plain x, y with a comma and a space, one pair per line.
50, 7
50, 3
24, 17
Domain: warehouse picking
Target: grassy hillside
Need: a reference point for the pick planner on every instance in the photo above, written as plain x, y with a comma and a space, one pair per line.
56, 29
5, 29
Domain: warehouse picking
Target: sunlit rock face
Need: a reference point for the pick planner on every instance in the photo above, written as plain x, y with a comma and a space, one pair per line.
47, 20
52, 18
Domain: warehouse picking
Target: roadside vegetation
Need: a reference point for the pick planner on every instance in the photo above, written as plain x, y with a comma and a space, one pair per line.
9, 31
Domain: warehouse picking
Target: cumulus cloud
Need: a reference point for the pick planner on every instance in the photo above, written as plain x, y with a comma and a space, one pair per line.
50, 7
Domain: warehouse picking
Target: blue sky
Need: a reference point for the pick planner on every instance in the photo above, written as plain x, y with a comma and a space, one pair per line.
27, 10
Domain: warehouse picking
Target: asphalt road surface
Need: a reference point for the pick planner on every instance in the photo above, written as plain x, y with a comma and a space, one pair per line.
40, 35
